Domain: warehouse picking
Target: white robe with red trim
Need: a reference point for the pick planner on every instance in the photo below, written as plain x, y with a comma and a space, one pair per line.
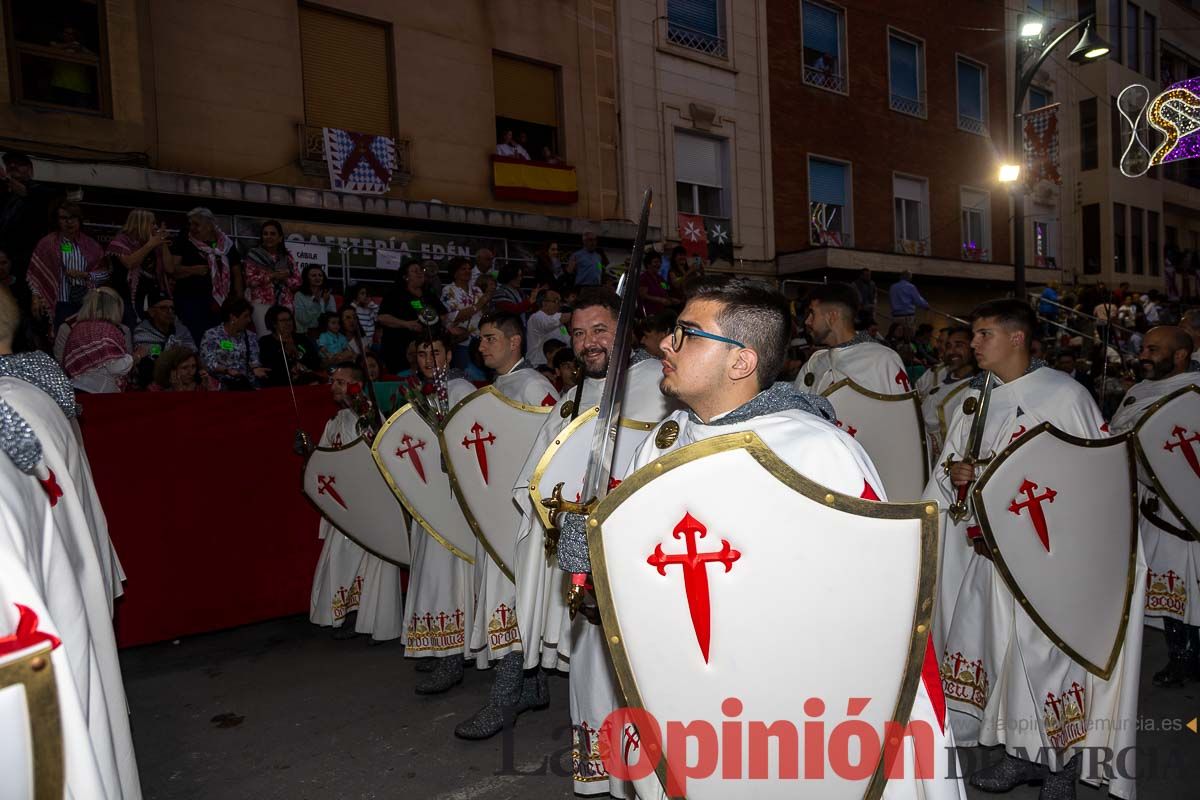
49, 563
496, 595
873, 366
824, 453
349, 579
1173, 564
998, 668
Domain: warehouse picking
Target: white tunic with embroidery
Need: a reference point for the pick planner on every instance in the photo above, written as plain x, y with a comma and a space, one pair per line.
348, 578
1173, 564
441, 586
874, 367
496, 595
997, 665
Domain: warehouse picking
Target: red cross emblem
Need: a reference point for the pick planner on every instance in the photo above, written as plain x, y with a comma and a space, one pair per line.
1183, 443
901, 379
411, 452
1034, 504
325, 486
27, 633
695, 573
848, 428
1017, 434
480, 443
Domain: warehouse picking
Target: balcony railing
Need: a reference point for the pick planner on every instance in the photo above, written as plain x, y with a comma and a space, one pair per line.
825, 79
312, 155
972, 125
907, 105
701, 41
975, 253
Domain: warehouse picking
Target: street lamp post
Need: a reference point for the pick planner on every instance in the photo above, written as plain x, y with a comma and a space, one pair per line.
1089, 48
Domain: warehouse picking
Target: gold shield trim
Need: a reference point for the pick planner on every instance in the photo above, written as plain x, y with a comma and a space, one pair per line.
911, 397
412, 512
941, 407
35, 671
1104, 672
313, 503
507, 569
926, 512
1154, 482
543, 463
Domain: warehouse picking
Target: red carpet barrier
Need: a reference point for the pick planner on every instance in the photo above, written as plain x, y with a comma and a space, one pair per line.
202, 495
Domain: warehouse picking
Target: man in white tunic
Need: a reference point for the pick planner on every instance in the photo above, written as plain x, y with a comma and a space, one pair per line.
439, 582
829, 318
549, 636
354, 591
1172, 558
997, 665
721, 361
941, 395
513, 691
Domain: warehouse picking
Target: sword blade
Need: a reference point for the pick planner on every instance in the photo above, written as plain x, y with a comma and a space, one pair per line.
975, 438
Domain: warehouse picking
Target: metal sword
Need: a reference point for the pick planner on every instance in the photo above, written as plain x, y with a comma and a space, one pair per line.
958, 509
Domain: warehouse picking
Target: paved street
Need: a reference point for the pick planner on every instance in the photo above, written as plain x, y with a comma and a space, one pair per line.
281, 711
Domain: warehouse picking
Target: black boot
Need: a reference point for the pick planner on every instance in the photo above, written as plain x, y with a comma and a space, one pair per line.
346, 631
1008, 774
1061, 785
535, 690
1174, 674
503, 702
446, 675
426, 664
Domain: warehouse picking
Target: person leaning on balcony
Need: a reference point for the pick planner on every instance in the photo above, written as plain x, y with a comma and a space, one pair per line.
207, 269
509, 148
905, 300
66, 264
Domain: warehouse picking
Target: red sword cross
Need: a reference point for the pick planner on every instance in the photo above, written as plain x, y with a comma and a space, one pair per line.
480, 442
1034, 504
1183, 442
412, 453
695, 573
325, 486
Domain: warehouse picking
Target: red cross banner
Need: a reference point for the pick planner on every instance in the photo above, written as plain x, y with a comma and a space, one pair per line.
1041, 145
693, 235
359, 163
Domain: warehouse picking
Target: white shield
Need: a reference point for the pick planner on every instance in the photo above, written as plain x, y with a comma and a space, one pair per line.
892, 431
347, 489
31, 760
409, 456
1060, 516
565, 460
696, 556
486, 439
1168, 443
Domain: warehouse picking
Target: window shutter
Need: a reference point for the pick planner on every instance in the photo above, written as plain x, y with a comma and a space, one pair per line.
820, 29
703, 16
909, 189
697, 160
332, 47
826, 182
973, 200
525, 91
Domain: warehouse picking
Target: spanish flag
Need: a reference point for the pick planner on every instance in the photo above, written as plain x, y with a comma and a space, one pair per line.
534, 181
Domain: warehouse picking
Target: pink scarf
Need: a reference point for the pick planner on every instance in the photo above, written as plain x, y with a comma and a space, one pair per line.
90, 344
218, 262
45, 268
125, 245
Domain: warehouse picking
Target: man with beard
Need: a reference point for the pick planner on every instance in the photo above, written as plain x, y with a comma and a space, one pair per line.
1165, 360
829, 318
500, 340
348, 579
958, 367
550, 638
721, 362
997, 664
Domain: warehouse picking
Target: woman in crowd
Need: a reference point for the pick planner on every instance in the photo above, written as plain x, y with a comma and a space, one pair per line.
96, 356
681, 273
548, 270
229, 353
66, 264
272, 276
283, 350
311, 300
399, 316
653, 289
95, 303
355, 341
178, 370
465, 304
508, 298
137, 257
207, 269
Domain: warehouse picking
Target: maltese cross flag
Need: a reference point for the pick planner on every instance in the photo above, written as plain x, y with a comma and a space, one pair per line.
693, 235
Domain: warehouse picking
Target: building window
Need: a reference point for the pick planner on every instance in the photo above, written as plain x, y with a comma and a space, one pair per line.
1119, 255
1152, 250
1089, 135
1115, 33
697, 25
1090, 224
972, 96
976, 225
911, 202
700, 169
527, 103
824, 46
1116, 128
906, 74
828, 203
1133, 34
1151, 45
1043, 244
332, 46
58, 54
1038, 98
1137, 255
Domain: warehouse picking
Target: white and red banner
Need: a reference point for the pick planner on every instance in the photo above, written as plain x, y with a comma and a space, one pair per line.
359, 163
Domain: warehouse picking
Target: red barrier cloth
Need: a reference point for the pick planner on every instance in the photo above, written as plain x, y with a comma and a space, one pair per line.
202, 494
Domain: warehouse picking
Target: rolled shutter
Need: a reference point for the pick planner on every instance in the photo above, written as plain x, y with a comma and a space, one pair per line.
346, 71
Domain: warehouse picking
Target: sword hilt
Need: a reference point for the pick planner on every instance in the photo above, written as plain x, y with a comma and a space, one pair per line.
557, 504
958, 509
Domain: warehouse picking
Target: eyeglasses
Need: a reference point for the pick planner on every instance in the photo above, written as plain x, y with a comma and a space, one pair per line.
679, 334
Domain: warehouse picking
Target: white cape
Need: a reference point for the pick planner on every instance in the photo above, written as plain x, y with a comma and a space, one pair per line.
874, 367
